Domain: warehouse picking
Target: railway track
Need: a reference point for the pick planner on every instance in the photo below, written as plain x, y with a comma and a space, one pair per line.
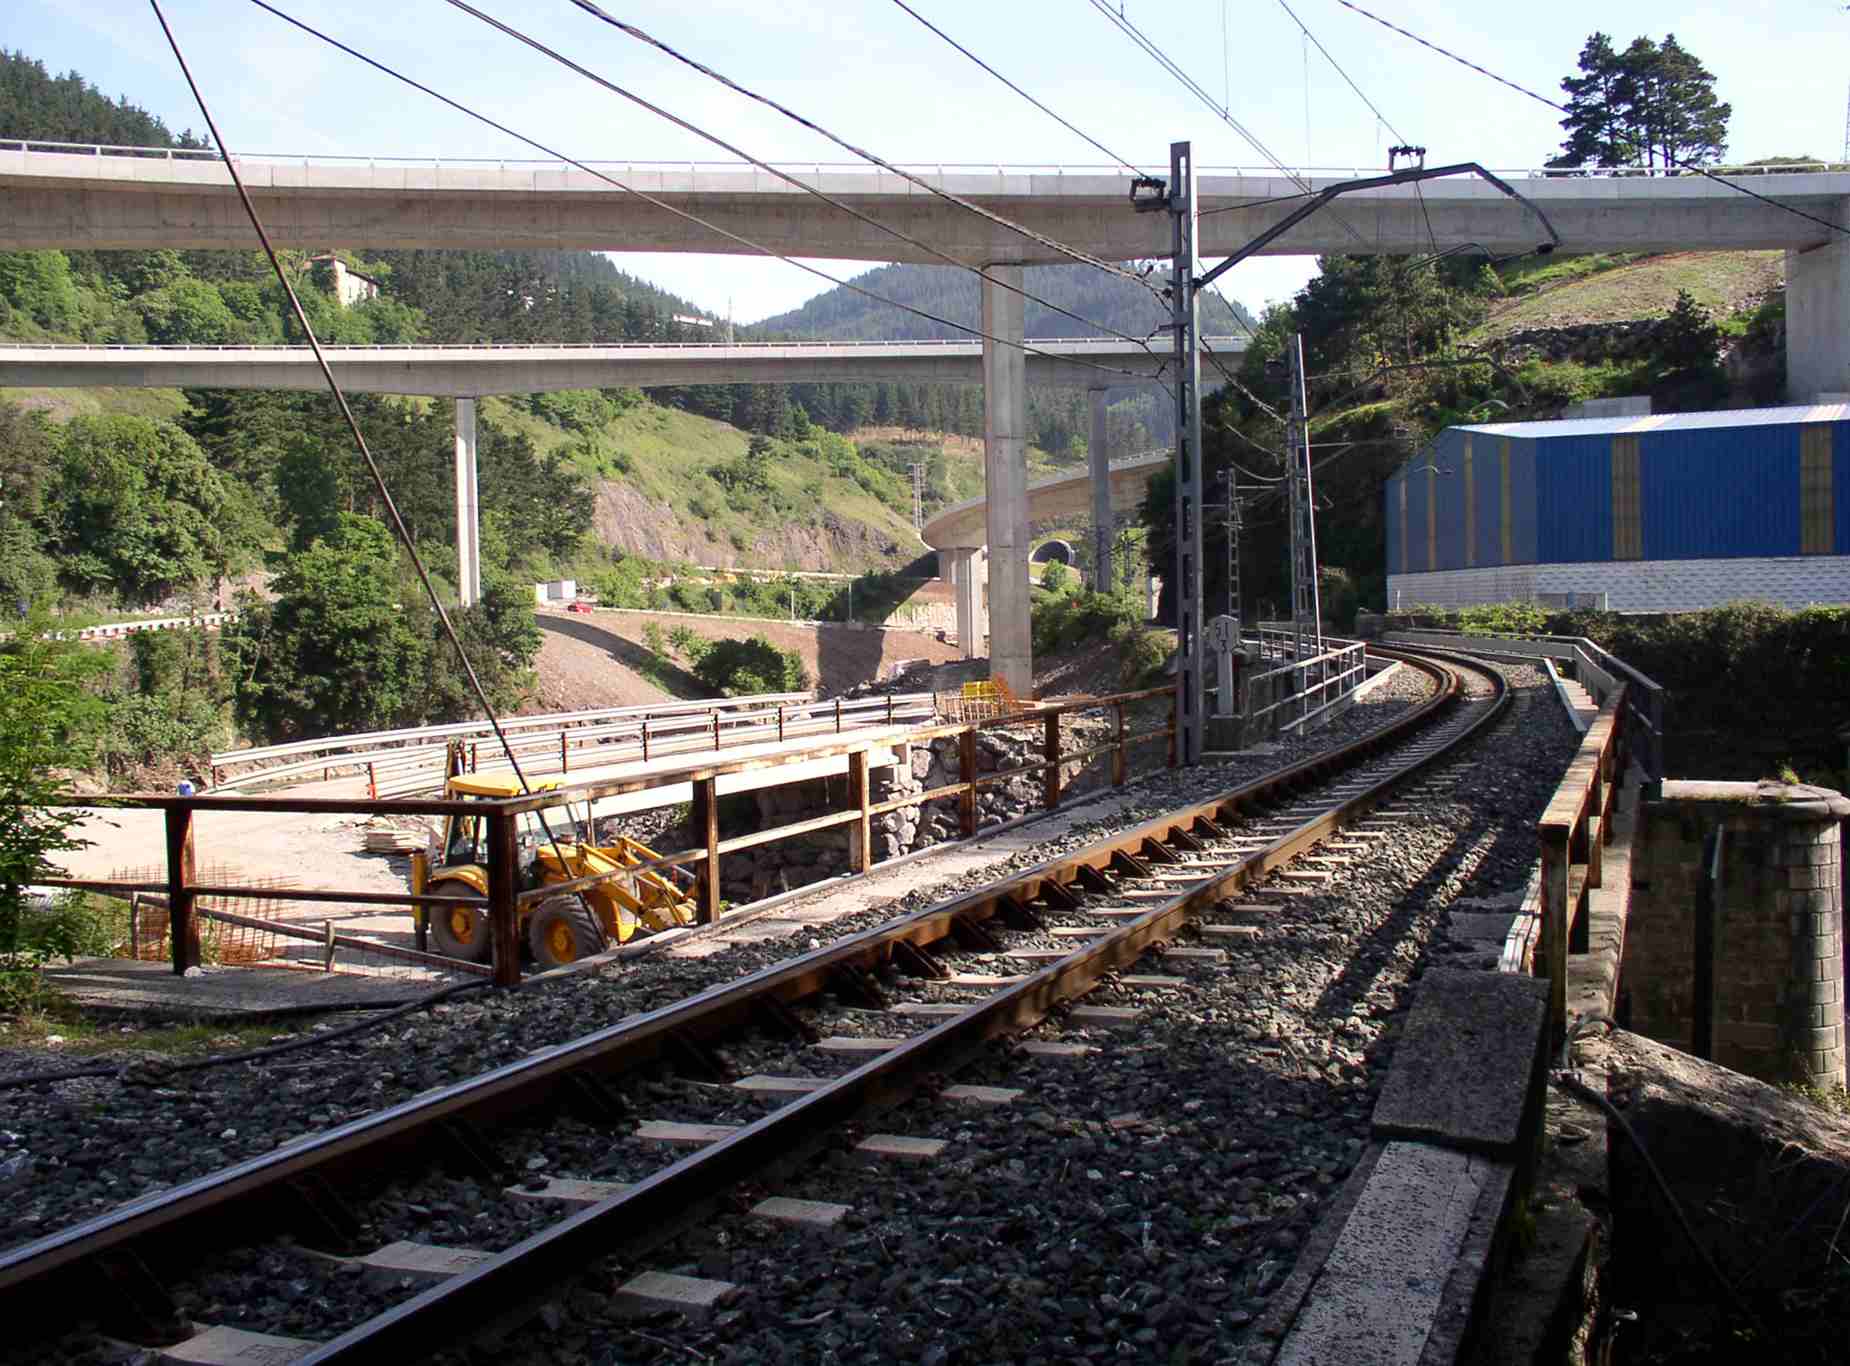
838, 1034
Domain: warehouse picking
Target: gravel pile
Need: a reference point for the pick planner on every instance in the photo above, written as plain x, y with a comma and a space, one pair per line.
1159, 1184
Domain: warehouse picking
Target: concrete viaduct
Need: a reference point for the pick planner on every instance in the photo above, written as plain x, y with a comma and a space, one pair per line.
467, 373
87, 198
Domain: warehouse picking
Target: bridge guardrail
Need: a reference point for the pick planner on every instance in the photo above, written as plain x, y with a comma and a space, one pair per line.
412, 760
1596, 669
998, 167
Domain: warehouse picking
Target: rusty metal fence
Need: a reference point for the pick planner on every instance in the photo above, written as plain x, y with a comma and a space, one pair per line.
182, 891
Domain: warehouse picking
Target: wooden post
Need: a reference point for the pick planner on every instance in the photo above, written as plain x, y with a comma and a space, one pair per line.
860, 834
183, 925
966, 774
780, 723
1050, 752
706, 821
1554, 927
372, 783
645, 739
838, 716
564, 763
1120, 758
503, 886
716, 728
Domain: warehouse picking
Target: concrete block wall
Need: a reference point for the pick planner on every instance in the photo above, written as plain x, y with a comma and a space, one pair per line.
1763, 944
1637, 585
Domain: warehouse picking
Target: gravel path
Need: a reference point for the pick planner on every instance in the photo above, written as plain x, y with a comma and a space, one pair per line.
1145, 1198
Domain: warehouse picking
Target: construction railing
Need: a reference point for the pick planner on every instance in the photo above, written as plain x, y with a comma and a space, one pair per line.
1599, 671
405, 762
1573, 831
505, 874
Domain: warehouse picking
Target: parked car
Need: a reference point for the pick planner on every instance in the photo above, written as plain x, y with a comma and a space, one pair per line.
579, 606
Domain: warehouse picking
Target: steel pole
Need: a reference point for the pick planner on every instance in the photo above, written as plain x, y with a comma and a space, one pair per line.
1188, 456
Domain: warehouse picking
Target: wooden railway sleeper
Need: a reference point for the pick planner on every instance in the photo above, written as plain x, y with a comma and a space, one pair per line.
467, 1151
910, 959
782, 1019
1091, 879
1130, 863
1017, 914
594, 1102
972, 934
694, 1057
858, 986
1058, 895
1187, 839
1158, 851
325, 1222
136, 1307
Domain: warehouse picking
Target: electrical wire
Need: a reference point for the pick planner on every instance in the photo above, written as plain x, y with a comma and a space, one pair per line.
781, 174
372, 465
1190, 84
1052, 244
1373, 108
1680, 164
1077, 132
684, 215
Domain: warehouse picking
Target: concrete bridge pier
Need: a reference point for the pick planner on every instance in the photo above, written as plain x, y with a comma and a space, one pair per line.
468, 508
1098, 464
1005, 472
962, 567
1818, 317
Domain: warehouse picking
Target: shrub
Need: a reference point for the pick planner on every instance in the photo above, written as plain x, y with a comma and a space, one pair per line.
739, 668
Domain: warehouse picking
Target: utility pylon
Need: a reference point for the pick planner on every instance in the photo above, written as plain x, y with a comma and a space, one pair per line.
1230, 513
1306, 602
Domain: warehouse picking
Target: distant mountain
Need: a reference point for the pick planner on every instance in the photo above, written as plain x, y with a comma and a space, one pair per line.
1110, 301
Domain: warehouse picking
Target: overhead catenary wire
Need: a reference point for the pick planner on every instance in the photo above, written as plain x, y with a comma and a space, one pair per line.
783, 175
684, 215
1041, 239
1558, 107
1076, 131
1372, 106
1190, 84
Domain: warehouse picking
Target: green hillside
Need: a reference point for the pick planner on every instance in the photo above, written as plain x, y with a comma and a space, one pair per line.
1113, 303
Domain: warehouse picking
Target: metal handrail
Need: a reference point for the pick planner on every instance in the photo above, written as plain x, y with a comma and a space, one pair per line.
528, 348
28, 145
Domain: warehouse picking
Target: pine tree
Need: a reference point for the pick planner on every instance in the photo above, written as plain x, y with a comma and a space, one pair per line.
1651, 104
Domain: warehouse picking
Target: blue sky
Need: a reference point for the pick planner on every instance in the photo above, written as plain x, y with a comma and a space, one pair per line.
867, 70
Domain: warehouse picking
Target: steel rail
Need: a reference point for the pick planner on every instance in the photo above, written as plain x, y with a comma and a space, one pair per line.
659, 1206
253, 1194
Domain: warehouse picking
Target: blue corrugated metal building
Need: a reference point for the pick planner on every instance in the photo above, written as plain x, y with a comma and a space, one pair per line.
1651, 513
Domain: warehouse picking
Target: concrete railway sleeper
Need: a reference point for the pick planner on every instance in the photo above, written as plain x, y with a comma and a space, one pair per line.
1115, 911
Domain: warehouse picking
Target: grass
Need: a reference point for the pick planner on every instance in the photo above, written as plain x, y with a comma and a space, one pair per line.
60, 405
1619, 287
78, 1034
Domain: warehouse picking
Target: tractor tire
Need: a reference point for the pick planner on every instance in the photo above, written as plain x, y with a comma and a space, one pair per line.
562, 931
459, 931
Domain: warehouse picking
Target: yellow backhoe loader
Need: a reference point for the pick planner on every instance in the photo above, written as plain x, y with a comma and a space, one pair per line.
558, 929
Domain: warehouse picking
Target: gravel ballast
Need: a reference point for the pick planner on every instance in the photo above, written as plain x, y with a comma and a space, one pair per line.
1144, 1198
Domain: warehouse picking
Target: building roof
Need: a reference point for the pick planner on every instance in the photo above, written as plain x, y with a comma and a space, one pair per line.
1666, 422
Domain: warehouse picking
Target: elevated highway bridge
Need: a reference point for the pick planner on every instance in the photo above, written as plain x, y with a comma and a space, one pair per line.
98, 197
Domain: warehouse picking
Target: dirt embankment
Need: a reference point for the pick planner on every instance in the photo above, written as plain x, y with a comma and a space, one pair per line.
640, 525
603, 660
